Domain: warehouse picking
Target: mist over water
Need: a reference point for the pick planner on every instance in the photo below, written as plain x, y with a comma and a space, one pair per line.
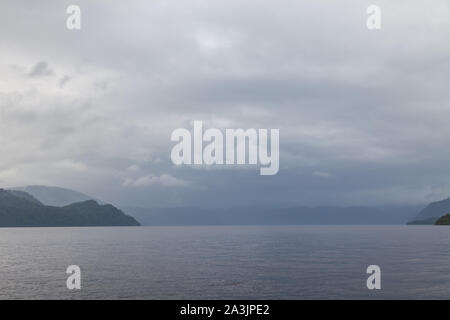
251, 262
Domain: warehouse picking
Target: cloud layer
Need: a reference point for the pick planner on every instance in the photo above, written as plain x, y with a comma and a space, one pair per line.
362, 114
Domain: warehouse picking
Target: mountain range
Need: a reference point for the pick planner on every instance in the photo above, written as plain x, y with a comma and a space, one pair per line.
432, 212
21, 209
43, 205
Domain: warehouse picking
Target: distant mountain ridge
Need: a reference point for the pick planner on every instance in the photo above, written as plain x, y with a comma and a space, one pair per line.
20, 210
274, 216
54, 196
432, 212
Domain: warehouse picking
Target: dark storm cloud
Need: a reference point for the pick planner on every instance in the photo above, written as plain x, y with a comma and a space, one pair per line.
40, 69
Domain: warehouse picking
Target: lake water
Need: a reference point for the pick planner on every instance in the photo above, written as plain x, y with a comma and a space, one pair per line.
291, 262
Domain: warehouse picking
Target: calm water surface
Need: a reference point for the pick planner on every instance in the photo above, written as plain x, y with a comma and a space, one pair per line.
292, 262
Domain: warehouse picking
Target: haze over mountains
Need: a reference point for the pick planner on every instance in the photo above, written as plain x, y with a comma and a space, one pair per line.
274, 216
54, 196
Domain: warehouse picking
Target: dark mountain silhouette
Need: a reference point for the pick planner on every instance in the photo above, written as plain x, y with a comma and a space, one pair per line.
20, 210
431, 213
444, 220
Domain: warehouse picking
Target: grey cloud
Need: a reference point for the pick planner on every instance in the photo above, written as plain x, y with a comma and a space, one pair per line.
366, 109
64, 80
40, 69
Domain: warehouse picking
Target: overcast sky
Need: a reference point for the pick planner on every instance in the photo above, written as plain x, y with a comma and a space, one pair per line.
363, 115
